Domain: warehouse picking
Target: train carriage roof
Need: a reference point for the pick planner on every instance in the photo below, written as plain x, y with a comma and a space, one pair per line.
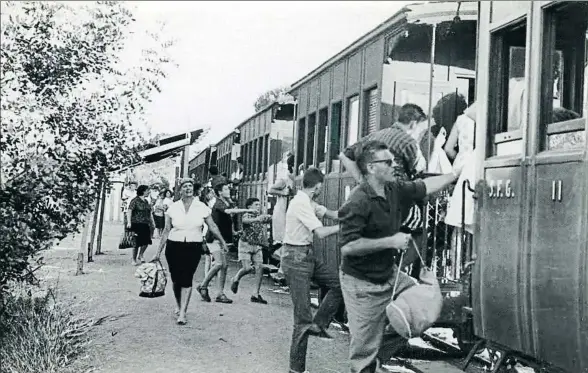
411, 15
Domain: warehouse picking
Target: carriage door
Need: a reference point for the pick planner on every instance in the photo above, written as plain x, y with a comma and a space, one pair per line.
497, 293
557, 259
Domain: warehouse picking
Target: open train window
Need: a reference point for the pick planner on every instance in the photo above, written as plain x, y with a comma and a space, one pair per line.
300, 146
352, 120
321, 152
565, 64
310, 131
335, 136
507, 89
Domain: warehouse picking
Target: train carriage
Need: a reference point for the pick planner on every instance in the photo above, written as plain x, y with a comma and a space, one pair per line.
265, 139
530, 282
199, 165
419, 55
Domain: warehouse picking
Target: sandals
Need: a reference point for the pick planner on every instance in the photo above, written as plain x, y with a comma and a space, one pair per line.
204, 293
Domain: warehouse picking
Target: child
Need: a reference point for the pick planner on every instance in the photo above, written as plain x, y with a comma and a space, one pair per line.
252, 240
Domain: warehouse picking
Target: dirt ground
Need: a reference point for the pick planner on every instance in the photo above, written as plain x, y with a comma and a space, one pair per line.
241, 337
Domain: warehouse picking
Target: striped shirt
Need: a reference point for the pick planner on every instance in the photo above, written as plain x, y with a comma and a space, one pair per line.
408, 158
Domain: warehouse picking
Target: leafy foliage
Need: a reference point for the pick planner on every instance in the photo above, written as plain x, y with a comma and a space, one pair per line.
269, 97
71, 110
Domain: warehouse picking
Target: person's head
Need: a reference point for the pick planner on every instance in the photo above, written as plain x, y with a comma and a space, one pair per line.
313, 180
207, 195
169, 194
253, 204
186, 187
290, 163
375, 161
223, 190
411, 114
197, 189
141, 190
446, 111
213, 170
132, 185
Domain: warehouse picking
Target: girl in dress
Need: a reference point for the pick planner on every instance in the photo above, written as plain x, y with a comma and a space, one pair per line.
460, 148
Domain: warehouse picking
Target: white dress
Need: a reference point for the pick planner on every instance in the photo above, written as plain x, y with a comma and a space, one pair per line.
465, 159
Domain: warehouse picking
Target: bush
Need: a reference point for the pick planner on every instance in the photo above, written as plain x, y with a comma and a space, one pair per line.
69, 114
39, 334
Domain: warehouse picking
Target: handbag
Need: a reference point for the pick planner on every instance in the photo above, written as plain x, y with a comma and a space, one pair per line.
417, 308
127, 240
153, 279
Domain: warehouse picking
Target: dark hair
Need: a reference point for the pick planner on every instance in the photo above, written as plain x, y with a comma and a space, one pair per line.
410, 112
213, 170
312, 177
561, 115
365, 154
166, 192
218, 188
197, 187
204, 194
141, 190
251, 201
224, 174
290, 163
446, 111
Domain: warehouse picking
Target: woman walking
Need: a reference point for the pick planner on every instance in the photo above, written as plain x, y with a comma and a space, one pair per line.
159, 208
182, 239
140, 221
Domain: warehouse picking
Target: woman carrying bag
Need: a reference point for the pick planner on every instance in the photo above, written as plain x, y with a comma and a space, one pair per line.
182, 238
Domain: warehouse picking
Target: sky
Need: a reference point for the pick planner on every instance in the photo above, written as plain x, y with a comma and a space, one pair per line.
229, 53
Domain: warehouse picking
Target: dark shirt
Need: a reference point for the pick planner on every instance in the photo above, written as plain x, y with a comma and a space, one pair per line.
223, 221
140, 211
367, 215
401, 145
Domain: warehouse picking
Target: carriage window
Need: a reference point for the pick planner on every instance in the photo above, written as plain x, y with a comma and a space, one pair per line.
371, 104
565, 59
352, 120
507, 89
300, 146
310, 131
334, 135
322, 139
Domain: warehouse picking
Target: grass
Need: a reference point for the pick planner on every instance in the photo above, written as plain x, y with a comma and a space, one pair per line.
40, 334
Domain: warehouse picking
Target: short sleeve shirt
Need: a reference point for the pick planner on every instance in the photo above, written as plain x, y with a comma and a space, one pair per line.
368, 215
187, 226
140, 211
223, 220
408, 158
254, 233
302, 218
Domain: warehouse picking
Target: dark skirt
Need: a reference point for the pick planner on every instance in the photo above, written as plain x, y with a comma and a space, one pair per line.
182, 260
143, 234
159, 221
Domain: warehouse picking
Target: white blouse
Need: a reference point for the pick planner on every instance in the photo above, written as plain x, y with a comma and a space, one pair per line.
187, 226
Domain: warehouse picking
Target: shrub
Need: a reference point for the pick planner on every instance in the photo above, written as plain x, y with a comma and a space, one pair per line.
70, 112
39, 334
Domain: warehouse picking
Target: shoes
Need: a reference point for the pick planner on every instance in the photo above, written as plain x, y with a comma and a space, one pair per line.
258, 299
223, 299
235, 287
204, 293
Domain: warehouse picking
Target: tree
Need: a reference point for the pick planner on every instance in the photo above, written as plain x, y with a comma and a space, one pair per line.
71, 110
269, 97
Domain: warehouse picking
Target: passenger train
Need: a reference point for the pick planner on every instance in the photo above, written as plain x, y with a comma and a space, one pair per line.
519, 284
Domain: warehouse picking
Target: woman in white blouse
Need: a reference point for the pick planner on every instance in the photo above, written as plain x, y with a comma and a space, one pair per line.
182, 239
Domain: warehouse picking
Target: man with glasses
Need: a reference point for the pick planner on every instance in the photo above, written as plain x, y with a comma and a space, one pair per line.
370, 240
408, 163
